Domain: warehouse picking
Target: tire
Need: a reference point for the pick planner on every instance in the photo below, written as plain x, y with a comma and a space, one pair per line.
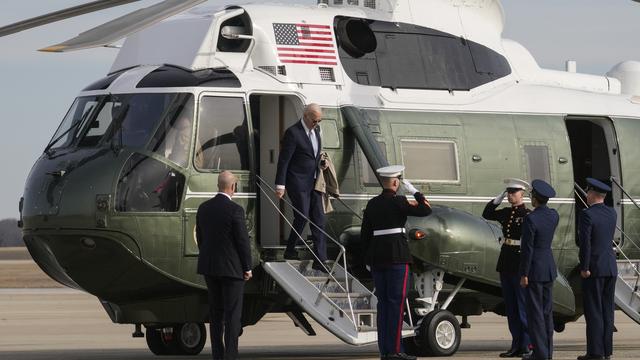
439, 334
190, 338
158, 344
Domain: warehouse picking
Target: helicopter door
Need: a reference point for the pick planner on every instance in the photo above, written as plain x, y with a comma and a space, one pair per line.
222, 143
594, 154
271, 115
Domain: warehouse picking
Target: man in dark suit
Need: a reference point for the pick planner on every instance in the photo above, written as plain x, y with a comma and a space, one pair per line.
598, 269
538, 269
389, 256
225, 262
298, 166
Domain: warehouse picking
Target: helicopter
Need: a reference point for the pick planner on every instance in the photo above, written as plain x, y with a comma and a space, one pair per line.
109, 207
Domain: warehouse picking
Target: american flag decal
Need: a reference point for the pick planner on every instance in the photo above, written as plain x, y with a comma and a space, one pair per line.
305, 44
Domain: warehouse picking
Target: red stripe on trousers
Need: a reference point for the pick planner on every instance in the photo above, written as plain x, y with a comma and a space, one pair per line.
401, 322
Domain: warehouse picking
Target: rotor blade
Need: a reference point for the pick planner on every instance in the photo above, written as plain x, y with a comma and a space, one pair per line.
61, 15
115, 30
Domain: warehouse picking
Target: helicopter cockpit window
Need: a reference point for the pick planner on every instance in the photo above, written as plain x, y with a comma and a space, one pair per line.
71, 125
172, 139
222, 141
148, 185
129, 120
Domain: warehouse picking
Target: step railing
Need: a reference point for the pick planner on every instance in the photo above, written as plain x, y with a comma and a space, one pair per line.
582, 195
342, 255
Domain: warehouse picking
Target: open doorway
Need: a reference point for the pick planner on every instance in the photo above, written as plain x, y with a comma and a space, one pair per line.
594, 153
271, 115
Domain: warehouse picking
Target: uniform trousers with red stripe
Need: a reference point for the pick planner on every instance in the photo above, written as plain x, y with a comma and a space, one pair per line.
391, 283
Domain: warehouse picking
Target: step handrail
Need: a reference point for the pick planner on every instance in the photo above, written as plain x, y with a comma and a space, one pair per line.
614, 181
341, 254
579, 191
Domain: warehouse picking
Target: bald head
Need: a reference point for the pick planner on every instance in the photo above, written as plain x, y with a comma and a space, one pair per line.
312, 115
226, 182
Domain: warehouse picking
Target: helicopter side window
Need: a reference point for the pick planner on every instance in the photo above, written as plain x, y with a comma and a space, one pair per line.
222, 141
430, 160
537, 159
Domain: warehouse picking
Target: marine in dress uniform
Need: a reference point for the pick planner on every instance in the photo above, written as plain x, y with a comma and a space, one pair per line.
538, 269
388, 255
596, 228
511, 219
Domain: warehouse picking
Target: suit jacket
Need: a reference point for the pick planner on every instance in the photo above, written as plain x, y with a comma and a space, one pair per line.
389, 211
596, 228
536, 258
297, 164
223, 239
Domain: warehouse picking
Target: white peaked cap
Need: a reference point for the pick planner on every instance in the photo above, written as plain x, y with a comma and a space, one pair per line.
517, 184
391, 171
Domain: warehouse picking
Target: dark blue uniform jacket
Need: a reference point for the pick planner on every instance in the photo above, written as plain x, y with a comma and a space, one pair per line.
596, 228
536, 258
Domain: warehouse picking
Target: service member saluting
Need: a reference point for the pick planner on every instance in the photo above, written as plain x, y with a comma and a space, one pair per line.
511, 219
598, 269
389, 256
538, 269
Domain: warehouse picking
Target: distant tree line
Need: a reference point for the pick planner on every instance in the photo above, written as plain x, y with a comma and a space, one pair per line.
10, 233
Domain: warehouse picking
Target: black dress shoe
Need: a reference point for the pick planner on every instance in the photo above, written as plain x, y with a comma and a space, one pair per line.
400, 356
590, 357
291, 255
511, 353
319, 267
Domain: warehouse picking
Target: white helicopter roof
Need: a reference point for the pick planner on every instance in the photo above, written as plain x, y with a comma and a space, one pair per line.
189, 40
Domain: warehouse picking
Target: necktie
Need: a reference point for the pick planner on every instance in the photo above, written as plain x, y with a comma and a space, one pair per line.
314, 141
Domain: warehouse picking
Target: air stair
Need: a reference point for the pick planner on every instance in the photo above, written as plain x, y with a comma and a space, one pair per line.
627, 293
334, 298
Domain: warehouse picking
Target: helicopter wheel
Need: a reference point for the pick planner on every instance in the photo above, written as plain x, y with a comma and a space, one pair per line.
438, 335
160, 342
191, 338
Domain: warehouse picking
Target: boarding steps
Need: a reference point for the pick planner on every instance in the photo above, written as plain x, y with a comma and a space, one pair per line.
349, 315
627, 292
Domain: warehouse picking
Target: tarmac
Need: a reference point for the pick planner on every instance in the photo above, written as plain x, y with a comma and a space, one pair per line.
60, 323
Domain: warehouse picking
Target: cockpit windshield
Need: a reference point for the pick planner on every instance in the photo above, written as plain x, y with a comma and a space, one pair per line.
122, 120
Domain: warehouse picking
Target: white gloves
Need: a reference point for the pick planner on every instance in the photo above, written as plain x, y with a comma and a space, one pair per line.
406, 185
498, 199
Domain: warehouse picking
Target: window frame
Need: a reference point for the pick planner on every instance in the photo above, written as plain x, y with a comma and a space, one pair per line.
196, 130
527, 165
456, 154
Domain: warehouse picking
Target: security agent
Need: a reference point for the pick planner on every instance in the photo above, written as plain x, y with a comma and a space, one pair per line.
538, 269
388, 254
598, 269
511, 219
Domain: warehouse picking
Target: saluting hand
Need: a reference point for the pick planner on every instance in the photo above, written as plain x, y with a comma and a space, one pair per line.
524, 281
585, 273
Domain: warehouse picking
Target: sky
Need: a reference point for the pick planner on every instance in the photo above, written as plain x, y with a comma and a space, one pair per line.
36, 89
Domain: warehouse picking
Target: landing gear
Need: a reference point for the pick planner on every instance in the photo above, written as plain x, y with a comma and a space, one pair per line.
180, 339
438, 335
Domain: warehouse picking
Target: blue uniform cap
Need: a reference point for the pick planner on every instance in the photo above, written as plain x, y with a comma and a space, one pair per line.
543, 189
598, 186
